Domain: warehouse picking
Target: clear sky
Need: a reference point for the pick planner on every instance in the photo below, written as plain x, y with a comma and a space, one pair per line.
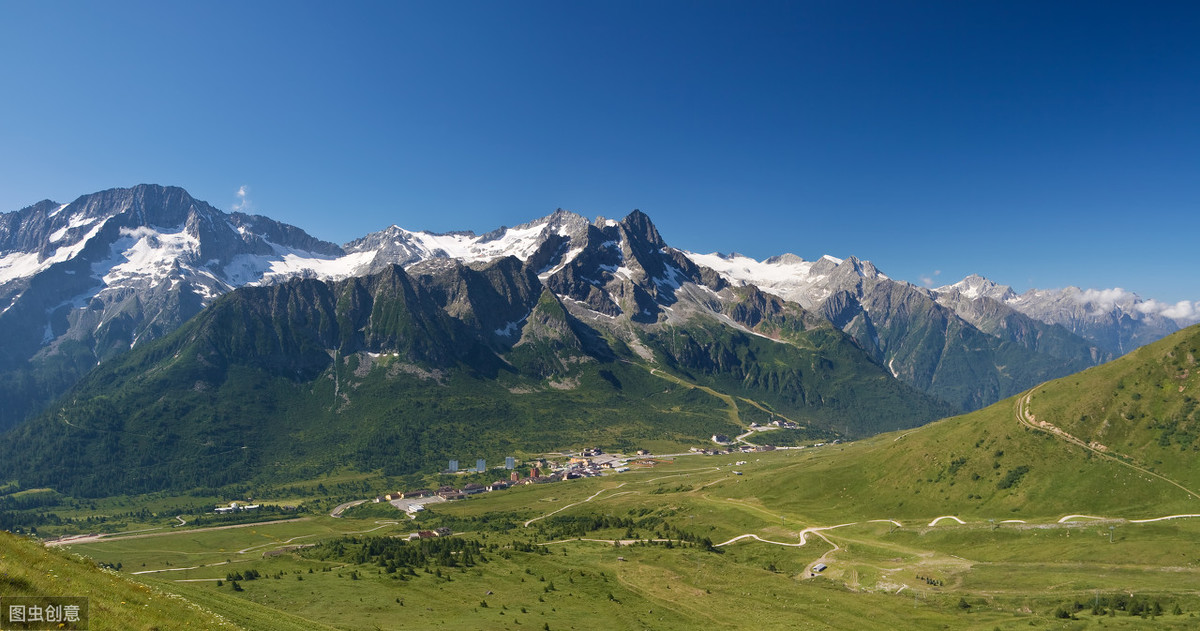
1041, 144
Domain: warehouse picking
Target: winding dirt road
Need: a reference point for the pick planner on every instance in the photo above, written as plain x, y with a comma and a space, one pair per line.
1026, 418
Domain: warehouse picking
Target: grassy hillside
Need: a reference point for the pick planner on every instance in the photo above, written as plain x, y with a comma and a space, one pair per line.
1142, 408
115, 602
999, 463
547, 556
982, 521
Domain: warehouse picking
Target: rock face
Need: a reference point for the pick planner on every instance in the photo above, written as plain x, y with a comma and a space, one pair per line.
965, 346
83, 282
1115, 320
602, 328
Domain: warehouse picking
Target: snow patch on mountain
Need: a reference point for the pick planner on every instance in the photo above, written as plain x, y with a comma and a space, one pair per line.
787, 276
673, 280
975, 286
521, 242
150, 254
16, 265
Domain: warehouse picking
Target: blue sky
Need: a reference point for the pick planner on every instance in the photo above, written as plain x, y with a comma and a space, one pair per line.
1039, 144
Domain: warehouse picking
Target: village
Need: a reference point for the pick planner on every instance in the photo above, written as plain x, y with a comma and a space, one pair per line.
586, 463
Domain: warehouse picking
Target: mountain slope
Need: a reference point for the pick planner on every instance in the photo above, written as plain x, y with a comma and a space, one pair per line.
970, 351
114, 602
1115, 440
1113, 319
86, 281
405, 368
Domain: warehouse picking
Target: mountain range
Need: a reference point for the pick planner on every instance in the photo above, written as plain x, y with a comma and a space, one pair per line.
605, 311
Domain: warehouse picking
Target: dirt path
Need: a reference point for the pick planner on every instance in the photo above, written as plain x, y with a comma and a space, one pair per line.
730, 403
121, 536
816, 530
1026, 418
594, 496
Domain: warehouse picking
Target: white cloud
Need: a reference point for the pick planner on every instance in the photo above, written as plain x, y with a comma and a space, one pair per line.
1106, 299
1182, 310
928, 280
243, 203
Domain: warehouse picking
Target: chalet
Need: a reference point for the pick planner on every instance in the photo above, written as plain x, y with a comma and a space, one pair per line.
417, 493
472, 489
443, 532
451, 494
425, 534
498, 485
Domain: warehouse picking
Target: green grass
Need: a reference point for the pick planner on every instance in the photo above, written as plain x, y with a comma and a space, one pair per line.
991, 572
1012, 576
115, 602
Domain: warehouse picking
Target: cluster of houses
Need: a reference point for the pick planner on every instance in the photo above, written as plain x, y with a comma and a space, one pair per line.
430, 534
778, 423
744, 449
589, 463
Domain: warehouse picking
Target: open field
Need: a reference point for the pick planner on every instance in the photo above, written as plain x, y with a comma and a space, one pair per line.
552, 560
1012, 517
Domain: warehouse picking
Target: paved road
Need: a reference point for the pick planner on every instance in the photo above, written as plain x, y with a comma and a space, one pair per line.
340, 508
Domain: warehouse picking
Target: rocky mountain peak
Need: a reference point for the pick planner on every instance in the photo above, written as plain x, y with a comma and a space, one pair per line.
638, 225
976, 286
784, 259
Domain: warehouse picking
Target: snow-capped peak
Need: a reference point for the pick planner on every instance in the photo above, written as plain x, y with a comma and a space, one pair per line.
975, 286
787, 275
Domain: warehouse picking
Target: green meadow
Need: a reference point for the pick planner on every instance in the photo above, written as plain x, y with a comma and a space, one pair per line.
1017, 516
587, 557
